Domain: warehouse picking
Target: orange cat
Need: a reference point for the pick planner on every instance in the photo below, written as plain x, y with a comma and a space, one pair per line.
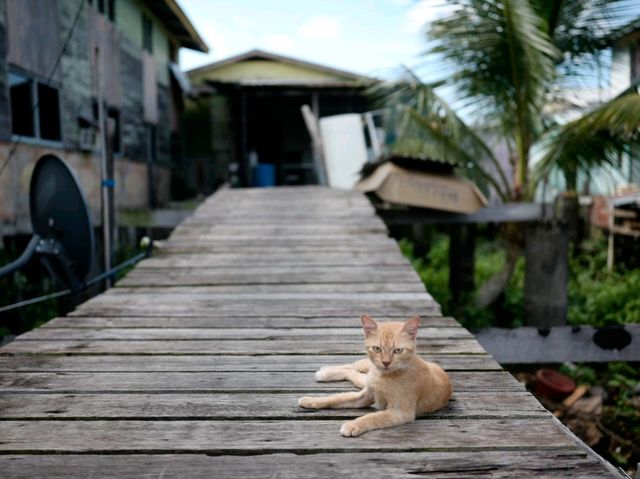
400, 383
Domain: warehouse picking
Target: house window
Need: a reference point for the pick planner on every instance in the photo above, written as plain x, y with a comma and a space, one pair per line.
111, 10
113, 121
48, 112
147, 33
35, 108
105, 7
21, 98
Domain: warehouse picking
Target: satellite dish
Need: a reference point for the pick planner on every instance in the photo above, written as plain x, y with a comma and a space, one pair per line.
61, 221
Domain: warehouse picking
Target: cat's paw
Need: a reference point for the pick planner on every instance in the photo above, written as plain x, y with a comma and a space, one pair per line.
351, 429
308, 402
324, 374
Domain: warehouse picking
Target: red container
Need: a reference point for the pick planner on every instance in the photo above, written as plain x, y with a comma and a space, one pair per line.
553, 384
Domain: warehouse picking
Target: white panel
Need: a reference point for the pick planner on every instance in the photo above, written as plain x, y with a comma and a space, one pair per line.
345, 149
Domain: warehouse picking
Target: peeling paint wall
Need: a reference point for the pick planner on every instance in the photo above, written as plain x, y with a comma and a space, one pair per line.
76, 91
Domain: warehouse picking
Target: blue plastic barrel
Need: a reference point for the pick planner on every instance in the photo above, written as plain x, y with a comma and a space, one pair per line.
264, 175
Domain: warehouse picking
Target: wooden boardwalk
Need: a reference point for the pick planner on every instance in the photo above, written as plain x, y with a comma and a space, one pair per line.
192, 365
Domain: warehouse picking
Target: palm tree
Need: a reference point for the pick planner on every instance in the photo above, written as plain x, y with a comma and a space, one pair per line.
508, 59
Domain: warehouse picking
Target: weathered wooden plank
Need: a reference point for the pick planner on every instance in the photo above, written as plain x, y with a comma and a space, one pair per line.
463, 404
435, 464
176, 246
214, 347
267, 299
282, 238
281, 305
219, 381
271, 334
256, 259
242, 311
354, 218
158, 363
280, 229
204, 277
525, 345
373, 243
78, 320
202, 306
271, 436
406, 287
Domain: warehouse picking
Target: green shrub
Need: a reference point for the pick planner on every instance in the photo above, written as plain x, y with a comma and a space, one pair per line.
595, 296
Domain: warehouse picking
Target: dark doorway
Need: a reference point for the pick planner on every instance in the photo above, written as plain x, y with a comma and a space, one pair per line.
277, 134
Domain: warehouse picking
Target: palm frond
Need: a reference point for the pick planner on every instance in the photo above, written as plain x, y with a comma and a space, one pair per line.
504, 59
579, 27
598, 138
425, 125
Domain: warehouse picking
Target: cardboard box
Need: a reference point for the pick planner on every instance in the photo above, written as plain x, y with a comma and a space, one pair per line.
446, 192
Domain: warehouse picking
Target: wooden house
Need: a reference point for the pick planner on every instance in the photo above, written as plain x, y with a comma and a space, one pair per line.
57, 58
247, 111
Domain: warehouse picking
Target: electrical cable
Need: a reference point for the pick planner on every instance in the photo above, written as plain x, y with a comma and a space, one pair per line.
88, 284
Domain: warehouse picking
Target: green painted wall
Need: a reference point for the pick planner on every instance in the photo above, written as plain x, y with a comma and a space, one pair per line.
264, 69
129, 21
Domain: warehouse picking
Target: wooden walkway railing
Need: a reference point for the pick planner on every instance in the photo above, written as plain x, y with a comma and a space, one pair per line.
192, 365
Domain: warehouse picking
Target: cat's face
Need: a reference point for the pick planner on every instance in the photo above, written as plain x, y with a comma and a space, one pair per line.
390, 346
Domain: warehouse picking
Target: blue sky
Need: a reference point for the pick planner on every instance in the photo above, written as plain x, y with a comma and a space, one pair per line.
364, 36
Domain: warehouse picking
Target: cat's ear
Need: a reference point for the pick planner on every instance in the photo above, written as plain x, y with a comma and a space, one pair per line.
411, 325
368, 324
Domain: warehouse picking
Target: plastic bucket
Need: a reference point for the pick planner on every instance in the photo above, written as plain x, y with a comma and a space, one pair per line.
264, 175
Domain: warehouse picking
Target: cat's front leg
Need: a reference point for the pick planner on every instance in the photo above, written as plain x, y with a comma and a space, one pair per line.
341, 373
376, 420
354, 399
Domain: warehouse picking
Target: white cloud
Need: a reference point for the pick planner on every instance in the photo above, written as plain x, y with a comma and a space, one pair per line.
321, 26
279, 43
422, 13
216, 39
243, 22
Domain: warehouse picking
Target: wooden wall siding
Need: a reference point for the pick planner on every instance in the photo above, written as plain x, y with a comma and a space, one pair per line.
33, 31
5, 124
132, 112
191, 366
150, 88
106, 38
164, 126
123, 66
75, 70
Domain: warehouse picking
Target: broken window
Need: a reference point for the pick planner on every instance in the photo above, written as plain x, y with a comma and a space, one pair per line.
48, 112
21, 97
35, 108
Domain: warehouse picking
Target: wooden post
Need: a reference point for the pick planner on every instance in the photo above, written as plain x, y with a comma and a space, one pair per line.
313, 127
244, 149
421, 237
546, 274
462, 245
106, 179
